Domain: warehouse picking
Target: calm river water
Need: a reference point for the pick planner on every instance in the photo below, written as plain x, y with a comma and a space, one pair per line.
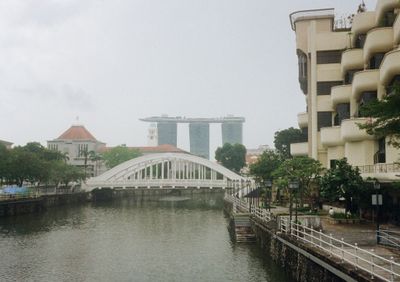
168, 240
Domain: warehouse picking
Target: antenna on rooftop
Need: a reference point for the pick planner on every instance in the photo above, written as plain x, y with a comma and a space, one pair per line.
77, 121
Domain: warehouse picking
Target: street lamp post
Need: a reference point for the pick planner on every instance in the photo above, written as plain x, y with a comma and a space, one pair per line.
293, 186
377, 201
268, 185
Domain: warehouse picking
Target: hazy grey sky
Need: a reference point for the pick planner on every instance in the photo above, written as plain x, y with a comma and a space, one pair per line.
111, 62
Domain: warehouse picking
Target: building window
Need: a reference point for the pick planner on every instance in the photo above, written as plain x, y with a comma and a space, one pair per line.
366, 97
376, 60
305, 134
303, 72
333, 164
395, 83
388, 19
324, 119
342, 112
360, 40
329, 57
324, 87
348, 77
82, 149
380, 155
53, 147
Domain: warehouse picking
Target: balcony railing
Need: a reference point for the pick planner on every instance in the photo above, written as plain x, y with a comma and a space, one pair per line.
380, 168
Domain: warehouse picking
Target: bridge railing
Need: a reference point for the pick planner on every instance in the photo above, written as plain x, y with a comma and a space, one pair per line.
375, 265
159, 183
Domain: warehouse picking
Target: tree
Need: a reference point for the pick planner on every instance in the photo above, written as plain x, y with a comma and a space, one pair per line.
4, 156
343, 181
285, 137
118, 155
385, 116
96, 158
305, 170
232, 157
266, 164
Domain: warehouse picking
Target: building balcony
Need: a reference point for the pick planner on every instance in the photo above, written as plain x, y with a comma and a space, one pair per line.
378, 40
350, 131
390, 66
382, 6
340, 94
366, 80
302, 119
330, 136
362, 22
299, 149
396, 31
352, 59
382, 172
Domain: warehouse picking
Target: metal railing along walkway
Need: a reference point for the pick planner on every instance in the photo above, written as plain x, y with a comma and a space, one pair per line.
367, 260
389, 238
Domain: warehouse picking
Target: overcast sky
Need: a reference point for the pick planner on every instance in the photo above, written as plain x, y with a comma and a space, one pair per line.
111, 62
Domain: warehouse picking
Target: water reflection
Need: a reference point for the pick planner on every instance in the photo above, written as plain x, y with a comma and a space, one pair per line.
130, 240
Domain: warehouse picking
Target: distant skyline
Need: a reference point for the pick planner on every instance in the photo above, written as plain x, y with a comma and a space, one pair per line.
112, 62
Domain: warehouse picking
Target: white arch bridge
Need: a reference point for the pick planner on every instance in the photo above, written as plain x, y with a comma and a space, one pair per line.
166, 170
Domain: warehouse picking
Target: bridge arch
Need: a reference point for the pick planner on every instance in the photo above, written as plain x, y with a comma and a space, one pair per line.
165, 170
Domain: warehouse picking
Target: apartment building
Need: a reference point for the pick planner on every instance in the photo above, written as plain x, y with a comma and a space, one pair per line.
342, 66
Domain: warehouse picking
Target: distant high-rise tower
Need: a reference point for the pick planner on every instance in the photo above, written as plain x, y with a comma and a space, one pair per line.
232, 132
199, 133
167, 133
152, 139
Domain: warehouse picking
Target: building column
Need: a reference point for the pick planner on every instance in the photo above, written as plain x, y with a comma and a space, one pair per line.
162, 170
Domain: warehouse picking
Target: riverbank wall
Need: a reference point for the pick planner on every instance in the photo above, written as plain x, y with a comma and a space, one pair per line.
12, 207
144, 194
301, 262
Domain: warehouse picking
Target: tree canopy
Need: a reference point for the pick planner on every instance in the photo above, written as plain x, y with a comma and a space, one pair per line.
231, 156
284, 138
265, 166
305, 170
385, 116
35, 164
343, 181
118, 155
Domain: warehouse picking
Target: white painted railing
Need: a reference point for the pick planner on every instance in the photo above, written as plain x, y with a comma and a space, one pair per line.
377, 266
241, 205
390, 238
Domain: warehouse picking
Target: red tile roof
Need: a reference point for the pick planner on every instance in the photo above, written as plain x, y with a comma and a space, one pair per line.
77, 132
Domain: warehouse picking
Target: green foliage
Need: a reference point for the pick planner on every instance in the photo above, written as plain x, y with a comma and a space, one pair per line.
386, 117
343, 181
305, 170
35, 164
118, 155
231, 156
344, 216
285, 137
266, 164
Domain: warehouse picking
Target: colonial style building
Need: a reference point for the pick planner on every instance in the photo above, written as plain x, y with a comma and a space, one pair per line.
6, 144
76, 143
343, 66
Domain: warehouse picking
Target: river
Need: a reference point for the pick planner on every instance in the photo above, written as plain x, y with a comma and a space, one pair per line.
169, 240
